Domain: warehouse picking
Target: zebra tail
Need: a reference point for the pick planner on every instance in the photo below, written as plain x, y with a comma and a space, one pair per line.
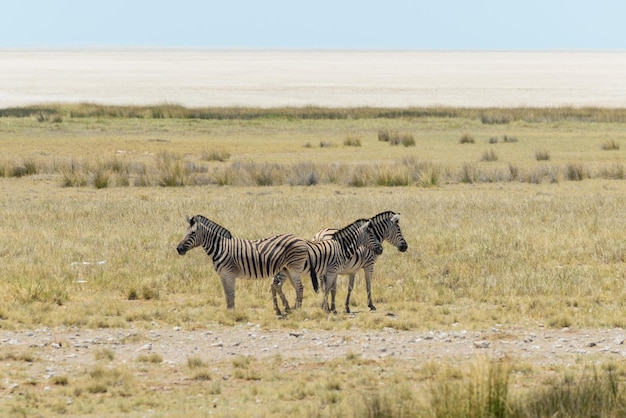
313, 274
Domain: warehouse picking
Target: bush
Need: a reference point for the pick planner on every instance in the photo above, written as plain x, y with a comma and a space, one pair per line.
466, 139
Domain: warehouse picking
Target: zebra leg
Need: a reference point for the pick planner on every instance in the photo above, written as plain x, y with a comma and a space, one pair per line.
331, 287
350, 287
297, 285
228, 283
333, 293
326, 292
368, 287
277, 287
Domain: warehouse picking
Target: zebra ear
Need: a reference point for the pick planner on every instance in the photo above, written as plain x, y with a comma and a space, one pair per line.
190, 220
395, 218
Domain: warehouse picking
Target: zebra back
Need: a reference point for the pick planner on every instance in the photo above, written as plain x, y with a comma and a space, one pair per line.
384, 225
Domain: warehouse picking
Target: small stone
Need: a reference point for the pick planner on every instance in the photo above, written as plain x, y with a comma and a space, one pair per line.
481, 344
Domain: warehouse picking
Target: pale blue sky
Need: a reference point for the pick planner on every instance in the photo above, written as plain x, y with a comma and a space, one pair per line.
321, 24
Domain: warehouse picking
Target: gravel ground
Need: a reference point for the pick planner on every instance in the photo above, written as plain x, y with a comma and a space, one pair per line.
59, 350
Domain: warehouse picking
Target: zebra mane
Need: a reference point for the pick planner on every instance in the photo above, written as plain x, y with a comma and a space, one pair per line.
212, 226
384, 216
346, 235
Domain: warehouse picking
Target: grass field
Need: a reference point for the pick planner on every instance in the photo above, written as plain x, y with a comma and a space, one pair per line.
520, 223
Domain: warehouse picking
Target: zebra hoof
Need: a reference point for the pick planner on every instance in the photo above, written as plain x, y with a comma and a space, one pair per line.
372, 308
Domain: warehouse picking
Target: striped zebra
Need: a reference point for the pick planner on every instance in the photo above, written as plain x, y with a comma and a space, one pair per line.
252, 259
330, 256
386, 227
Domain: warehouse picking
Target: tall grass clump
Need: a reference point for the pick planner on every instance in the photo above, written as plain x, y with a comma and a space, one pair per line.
264, 174
489, 156
483, 393
26, 168
575, 172
392, 175
215, 155
469, 173
466, 139
171, 170
542, 155
73, 174
360, 176
611, 145
423, 173
384, 135
396, 138
407, 140
598, 395
352, 141
615, 171
303, 174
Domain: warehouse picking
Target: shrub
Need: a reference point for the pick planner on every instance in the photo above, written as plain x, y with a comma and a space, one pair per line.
466, 139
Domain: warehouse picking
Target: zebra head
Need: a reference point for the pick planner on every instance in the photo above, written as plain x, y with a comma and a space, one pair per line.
191, 237
202, 232
387, 228
393, 234
367, 238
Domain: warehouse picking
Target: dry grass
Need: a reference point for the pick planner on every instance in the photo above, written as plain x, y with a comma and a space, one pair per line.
506, 241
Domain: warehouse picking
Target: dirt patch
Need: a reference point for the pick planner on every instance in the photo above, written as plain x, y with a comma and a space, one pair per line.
61, 349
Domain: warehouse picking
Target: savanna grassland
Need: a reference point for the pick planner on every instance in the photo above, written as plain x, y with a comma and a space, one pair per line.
515, 221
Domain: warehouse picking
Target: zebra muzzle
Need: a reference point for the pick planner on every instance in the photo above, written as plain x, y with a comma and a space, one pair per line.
181, 250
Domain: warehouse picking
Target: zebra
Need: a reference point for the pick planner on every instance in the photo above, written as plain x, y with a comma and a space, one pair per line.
386, 228
331, 255
253, 259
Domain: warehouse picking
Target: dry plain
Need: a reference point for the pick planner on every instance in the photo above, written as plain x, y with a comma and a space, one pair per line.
515, 262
